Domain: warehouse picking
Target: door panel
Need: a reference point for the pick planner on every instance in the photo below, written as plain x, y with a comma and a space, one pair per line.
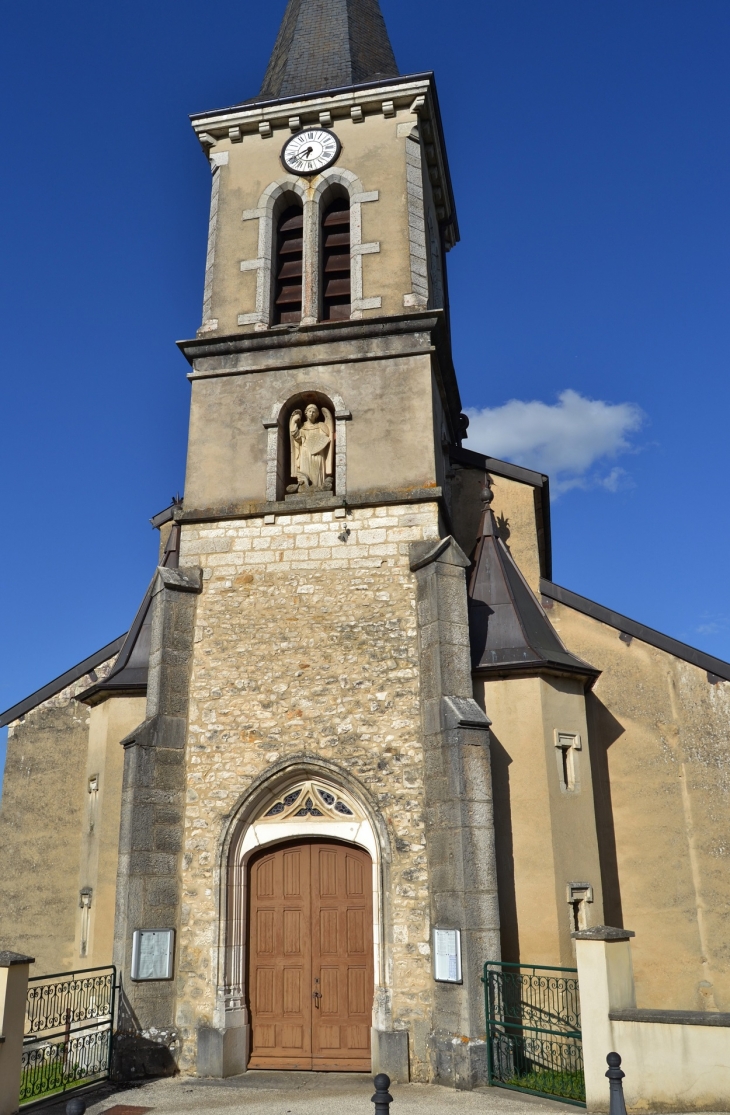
311, 957
280, 960
342, 957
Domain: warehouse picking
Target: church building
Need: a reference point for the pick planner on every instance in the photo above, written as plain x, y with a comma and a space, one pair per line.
356, 741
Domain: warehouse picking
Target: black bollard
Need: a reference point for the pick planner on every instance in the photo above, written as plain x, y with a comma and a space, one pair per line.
382, 1098
76, 1106
615, 1075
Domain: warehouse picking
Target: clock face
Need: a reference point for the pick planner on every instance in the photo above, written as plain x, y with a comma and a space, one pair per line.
310, 151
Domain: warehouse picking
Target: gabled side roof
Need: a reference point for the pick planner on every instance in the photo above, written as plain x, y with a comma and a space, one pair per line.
62, 682
716, 668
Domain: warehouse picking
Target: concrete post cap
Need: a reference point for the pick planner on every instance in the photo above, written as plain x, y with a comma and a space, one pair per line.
603, 933
8, 959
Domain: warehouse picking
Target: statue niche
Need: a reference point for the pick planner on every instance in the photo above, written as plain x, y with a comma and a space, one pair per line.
311, 450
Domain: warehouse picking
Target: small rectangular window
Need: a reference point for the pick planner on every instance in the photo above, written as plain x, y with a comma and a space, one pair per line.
93, 801
567, 747
579, 895
85, 904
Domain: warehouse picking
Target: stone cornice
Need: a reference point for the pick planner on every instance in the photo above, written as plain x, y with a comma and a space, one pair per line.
416, 94
343, 342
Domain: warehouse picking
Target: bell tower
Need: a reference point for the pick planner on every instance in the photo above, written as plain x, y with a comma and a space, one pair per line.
331, 216
324, 633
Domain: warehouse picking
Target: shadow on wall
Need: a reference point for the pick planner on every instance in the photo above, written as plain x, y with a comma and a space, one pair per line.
137, 1057
603, 730
509, 928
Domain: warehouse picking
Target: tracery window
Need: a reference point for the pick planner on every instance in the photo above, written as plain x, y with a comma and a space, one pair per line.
311, 799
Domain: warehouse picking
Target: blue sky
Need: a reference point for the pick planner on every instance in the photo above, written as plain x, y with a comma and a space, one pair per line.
589, 147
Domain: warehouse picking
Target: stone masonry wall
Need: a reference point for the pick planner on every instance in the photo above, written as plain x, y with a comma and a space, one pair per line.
307, 645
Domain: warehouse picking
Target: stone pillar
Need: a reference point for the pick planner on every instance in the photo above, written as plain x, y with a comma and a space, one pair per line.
459, 818
151, 828
13, 992
606, 982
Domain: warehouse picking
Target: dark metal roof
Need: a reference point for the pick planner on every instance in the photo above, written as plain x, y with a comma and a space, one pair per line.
327, 44
128, 677
60, 683
509, 630
716, 668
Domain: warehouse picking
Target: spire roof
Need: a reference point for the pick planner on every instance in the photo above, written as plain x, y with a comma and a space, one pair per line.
328, 44
508, 628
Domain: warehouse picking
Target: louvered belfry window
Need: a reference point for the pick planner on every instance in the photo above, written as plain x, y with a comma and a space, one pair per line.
336, 261
289, 242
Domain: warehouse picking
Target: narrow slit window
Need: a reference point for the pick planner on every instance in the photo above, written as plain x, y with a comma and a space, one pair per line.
289, 244
336, 262
567, 747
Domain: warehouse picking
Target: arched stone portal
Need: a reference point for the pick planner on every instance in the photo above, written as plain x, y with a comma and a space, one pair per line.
294, 806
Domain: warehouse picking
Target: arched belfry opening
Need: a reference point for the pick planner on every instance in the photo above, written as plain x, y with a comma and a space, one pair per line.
335, 279
288, 264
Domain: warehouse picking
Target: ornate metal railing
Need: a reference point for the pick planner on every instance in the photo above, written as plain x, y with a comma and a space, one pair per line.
68, 1031
533, 1029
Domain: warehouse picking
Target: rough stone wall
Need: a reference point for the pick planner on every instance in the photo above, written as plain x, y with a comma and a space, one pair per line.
307, 645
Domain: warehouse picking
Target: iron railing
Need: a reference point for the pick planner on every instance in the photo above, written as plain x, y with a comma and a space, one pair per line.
68, 1031
533, 1029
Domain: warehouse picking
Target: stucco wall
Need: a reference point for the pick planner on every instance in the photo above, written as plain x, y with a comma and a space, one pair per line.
545, 836
307, 646
390, 444
375, 152
660, 746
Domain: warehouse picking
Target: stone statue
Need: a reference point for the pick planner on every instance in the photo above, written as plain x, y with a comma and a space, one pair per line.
312, 450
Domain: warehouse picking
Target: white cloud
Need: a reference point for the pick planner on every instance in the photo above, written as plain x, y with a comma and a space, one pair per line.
567, 440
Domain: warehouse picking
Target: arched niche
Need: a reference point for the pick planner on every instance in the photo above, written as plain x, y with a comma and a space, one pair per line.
279, 475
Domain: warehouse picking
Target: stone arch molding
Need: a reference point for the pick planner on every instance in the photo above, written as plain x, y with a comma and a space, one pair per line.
247, 831
275, 440
312, 194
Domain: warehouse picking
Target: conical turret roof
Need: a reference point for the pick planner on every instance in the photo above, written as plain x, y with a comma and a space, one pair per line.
508, 628
328, 44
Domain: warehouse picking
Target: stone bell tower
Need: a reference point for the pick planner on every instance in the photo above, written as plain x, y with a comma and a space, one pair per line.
312, 648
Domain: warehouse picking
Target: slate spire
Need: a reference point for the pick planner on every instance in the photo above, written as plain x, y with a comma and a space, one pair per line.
328, 44
508, 628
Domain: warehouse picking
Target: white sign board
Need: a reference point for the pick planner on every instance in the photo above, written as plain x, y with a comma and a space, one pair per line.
447, 955
153, 953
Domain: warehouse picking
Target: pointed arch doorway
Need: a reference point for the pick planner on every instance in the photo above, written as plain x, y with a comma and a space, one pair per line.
310, 955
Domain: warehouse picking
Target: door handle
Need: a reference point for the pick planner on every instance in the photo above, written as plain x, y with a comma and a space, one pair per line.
316, 995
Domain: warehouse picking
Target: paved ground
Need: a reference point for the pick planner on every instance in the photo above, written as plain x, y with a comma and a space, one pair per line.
309, 1093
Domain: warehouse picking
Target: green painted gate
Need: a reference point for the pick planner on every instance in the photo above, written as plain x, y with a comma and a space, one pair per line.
69, 1022
533, 1030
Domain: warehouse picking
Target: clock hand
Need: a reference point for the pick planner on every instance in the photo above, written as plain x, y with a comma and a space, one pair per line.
307, 153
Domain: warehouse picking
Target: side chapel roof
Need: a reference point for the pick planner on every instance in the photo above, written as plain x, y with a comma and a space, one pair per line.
128, 676
328, 44
508, 628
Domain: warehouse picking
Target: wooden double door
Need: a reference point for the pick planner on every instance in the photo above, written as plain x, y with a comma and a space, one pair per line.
310, 968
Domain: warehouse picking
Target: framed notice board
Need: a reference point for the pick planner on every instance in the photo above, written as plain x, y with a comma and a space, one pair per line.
447, 955
153, 954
